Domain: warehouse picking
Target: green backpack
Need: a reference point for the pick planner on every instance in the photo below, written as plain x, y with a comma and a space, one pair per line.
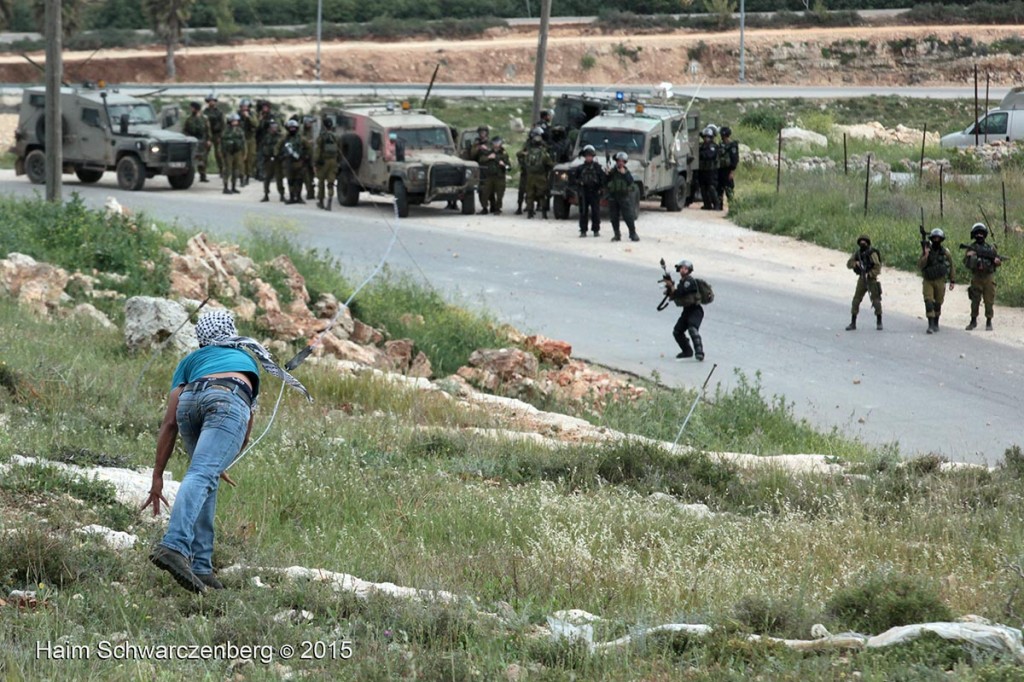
707, 294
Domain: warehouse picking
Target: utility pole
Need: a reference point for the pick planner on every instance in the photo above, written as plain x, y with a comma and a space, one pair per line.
743, 16
54, 119
542, 53
319, 32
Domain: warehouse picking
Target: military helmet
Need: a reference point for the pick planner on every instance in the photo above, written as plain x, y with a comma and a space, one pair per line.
726, 131
291, 124
864, 238
937, 232
483, 129
621, 156
589, 149
271, 123
979, 228
234, 118
545, 113
195, 104
212, 97
497, 142
307, 120
708, 131
328, 122
245, 103
685, 264
537, 132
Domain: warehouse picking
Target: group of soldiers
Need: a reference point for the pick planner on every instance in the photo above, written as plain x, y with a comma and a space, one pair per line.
981, 259
716, 166
247, 144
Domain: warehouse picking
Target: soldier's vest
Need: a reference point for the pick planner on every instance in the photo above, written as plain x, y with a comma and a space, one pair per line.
983, 262
591, 176
216, 118
619, 184
196, 127
329, 145
730, 157
234, 141
534, 160
708, 155
248, 126
937, 266
269, 143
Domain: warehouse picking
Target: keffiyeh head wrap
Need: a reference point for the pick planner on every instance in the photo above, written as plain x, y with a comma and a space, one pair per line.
217, 328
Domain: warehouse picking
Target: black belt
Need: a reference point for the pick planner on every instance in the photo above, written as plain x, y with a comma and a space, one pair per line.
236, 386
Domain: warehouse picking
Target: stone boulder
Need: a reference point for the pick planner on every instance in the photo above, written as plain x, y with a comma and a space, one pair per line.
399, 354
806, 138
293, 278
157, 322
190, 276
364, 334
39, 286
295, 322
87, 311
504, 363
549, 350
420, 366
345, 349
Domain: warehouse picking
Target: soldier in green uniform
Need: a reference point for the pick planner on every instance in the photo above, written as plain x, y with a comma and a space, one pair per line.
866, 263
215, 116
328, 147
232, 149
707, 169
293, 152
265, 118
728, 162
481, 144
936, 265
198, 126
587, 180
249, 126
982, 259
271, 163
620, 187
308, 176
538, 164
494, 164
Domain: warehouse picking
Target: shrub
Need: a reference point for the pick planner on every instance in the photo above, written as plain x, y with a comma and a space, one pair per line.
763, 119
588, 61
774, 617
1013, 461
886, 600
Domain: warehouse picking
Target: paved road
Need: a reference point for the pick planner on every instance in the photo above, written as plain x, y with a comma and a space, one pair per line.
955, 396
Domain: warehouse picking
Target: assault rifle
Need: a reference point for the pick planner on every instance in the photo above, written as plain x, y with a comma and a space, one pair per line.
924, 235
290, 150
666, 280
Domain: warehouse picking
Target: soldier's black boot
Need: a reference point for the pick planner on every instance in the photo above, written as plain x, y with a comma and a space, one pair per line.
519, 207
931, 325
988, 324
226, 190
698, 343
973, 324
234, 189
282, 199
633, 236
203, 178
310, 195
617, 236
878, 322
320, 203
266, 197
330, 200
686, 351
937, 316
853, 324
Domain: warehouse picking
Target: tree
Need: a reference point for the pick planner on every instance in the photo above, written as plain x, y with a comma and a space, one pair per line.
168, 18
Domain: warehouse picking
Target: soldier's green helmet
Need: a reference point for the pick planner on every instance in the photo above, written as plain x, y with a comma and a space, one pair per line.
937, 232
864, 238
979, 228
685, 264
195, 104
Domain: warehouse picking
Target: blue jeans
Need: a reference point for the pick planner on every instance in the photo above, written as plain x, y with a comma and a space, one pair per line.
212, 424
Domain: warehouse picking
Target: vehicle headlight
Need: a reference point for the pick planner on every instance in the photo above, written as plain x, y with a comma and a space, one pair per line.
154, 148
417, 174
470, 172
562, 176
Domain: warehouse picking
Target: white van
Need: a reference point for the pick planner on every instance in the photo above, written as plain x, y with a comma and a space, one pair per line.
1003, 124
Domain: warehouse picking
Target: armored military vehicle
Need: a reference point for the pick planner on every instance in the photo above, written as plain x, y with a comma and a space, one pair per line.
573, 111
103, 131
401, 151
660, 141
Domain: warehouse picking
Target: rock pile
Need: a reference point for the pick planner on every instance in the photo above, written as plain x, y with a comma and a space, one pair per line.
874, 131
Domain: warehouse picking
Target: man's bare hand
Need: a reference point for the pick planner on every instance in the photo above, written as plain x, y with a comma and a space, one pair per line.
227, 479
156, 496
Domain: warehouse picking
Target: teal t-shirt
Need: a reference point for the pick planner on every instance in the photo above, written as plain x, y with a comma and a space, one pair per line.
213, 360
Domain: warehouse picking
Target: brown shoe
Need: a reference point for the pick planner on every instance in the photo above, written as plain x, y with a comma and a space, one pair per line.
178, 566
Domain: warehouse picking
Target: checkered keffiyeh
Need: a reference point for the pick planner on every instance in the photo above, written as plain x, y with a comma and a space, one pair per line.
217, 328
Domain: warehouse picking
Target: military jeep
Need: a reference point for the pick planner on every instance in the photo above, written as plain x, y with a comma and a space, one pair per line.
103, 131
660, 141
403, 152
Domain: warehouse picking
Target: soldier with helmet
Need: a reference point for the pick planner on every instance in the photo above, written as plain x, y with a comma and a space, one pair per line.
728, 162
265, 117
936, 265
215, 116
271, 169
494, 164
232, 149
249, 125
480, 148
198, 126
588, 179
293, 152
707, 170
328, 149
621, 186
537, 163
686, 294
866, 263
982, 260
308, 176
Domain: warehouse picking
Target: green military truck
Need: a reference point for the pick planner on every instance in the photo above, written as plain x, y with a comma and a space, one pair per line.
405, 152
660, 141
103, 131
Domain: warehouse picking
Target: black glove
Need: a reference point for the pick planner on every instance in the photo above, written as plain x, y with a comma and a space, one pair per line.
857, 269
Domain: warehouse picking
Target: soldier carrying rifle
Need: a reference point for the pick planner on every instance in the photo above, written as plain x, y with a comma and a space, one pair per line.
982, 260
866, 263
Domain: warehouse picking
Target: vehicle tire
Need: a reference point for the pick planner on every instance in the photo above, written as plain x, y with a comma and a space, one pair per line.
348, 190
469, 203
674, 198
401, 199
35, 166
88, 175
182, 181
560, 205
131, 174
351, 152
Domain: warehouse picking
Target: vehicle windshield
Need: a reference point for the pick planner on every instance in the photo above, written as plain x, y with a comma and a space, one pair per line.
137, 113
629, 141
418, 138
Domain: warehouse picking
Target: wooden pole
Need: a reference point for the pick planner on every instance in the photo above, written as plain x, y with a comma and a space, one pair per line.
920, 168
54, 118
867, 183
942, 172
975, 105
1006, 225
846, 163
778, 164
987, 78
542, 53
